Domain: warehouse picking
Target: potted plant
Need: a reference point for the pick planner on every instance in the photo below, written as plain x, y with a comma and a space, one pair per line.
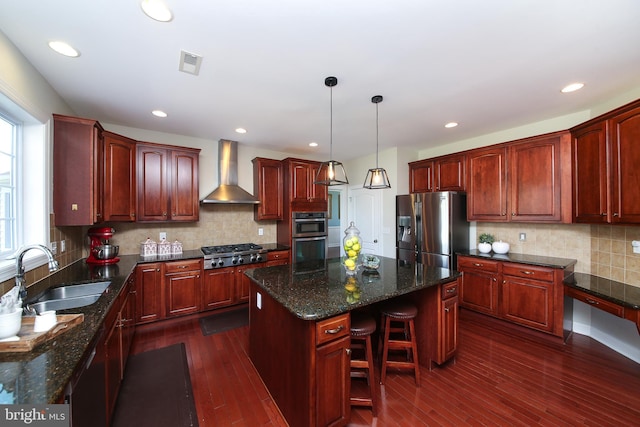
485, 240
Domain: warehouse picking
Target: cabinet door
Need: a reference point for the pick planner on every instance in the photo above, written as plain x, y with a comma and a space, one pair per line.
182, 291
149, 295
527, 302
318, 193
120, 178
242, 284
479, 291
113, 362
300, 182
534, 180
78, 169
128, 319
218, 288
449, 333
268, 184
184, 186
589, 152
333, 383
421, 176
449, 173
487, 186
153, 191
625, 167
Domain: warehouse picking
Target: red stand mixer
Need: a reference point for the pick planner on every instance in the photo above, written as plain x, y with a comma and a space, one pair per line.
100, 251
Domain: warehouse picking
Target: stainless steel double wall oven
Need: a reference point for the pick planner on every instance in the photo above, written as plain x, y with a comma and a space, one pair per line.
309, 236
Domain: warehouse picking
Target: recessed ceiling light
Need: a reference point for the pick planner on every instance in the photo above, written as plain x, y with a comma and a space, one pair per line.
159, 113
572, 87
64, 49
313, 144
156, 9
451, 125
241, 130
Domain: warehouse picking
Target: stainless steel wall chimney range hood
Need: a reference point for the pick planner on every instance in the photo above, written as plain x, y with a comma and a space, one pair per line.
228, 190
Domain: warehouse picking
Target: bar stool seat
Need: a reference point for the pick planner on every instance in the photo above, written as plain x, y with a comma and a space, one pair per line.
398, 334
362, 327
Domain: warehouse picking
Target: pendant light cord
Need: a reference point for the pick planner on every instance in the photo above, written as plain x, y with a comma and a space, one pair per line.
377, 131
331, 123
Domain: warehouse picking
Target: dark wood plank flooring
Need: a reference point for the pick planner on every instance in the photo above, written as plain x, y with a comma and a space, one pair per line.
498, 378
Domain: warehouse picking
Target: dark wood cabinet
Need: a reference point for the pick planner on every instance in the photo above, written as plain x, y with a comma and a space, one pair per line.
526, 295
242, 283
333, 383
167, 183
218, 288
605, 167
119, 178
521, 181
278, 258
183, 287
149, 294
303, 194
421, 176
479, 289
268, 184
78, 171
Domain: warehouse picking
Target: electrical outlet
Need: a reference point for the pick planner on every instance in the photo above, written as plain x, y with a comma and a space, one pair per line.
54, 247
163, 235
523, 237
63, 245
260, 231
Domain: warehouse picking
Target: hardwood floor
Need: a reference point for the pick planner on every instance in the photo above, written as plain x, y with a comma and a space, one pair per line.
498, 378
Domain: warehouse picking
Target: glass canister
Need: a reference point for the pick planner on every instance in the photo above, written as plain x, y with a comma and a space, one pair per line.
352, 245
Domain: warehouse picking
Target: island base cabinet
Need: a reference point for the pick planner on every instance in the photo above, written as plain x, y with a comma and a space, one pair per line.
305, 369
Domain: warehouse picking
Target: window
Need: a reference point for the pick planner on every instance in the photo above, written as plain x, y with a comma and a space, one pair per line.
24, 186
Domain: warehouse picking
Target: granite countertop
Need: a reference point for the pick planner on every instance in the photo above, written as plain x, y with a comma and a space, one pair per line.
616, 292
543, 261
314, 291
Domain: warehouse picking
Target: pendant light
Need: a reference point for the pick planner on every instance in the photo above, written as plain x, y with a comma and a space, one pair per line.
376, 178
331, 172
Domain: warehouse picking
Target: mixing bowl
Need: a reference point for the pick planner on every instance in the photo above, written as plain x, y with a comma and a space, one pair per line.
10, 323
106, 251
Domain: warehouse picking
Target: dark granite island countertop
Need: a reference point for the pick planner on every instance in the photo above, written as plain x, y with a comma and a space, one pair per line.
316, 291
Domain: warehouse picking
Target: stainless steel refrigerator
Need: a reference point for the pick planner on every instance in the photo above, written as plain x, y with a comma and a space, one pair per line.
431, 228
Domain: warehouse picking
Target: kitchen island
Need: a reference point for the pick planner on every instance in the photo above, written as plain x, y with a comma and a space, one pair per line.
300, 321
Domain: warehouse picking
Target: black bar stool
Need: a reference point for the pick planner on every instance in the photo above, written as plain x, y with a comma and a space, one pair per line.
362, 326
398, 334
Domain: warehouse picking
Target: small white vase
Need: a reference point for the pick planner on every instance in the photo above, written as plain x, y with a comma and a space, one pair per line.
485, 248
500, 247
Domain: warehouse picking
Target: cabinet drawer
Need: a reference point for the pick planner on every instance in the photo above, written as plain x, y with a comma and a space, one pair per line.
594, 301
477, 264
528, 272
277, 255
180, 266
450, 290
331, 329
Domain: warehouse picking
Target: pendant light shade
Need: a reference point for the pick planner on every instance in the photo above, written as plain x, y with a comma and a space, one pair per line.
377, 177
331, 172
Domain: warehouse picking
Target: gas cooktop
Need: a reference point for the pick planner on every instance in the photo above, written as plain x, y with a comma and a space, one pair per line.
230, 255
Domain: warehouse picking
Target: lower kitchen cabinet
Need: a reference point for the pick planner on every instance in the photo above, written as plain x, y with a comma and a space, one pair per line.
523, 294
332, 368
242, 284
183, 287
277, 258
149, 296
218, 288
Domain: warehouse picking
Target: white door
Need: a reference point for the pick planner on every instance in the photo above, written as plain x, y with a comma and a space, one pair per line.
365, 210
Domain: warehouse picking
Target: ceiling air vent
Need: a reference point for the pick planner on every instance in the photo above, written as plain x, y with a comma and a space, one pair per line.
190, 62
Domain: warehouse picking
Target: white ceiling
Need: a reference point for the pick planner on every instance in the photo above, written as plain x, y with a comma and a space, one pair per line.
489, 65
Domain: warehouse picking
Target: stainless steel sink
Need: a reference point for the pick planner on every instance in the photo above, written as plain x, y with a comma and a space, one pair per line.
72, 291
70, 296
65, 303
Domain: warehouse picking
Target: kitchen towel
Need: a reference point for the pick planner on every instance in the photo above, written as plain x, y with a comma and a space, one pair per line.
224, 321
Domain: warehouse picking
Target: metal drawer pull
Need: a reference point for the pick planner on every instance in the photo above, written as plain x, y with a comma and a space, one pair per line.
527, 272
451, 290
477, 264
334, 331
446, 309
591, 301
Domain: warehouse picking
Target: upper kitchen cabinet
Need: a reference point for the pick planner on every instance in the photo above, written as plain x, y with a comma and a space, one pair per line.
605, 167
167, 183
268, 183
78, 171
521, 181
120, 178
301, 192
446, 173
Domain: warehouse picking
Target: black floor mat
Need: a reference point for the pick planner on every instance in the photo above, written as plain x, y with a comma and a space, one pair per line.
224, 321
156, 390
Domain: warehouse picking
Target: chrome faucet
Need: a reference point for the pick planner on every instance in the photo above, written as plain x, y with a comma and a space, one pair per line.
20, 281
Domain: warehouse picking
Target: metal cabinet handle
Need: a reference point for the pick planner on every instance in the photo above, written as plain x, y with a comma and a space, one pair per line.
348, 350
615, 214
334, 331
591, 301
477, 264
446, 309
603, 214
527, 272
451, 290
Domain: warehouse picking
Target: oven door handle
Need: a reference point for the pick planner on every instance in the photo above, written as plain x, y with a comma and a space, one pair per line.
305, 239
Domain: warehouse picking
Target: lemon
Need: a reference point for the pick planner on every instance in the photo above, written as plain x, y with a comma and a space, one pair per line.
356, 247
349, 263
350, 287
348, 243
352, 253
